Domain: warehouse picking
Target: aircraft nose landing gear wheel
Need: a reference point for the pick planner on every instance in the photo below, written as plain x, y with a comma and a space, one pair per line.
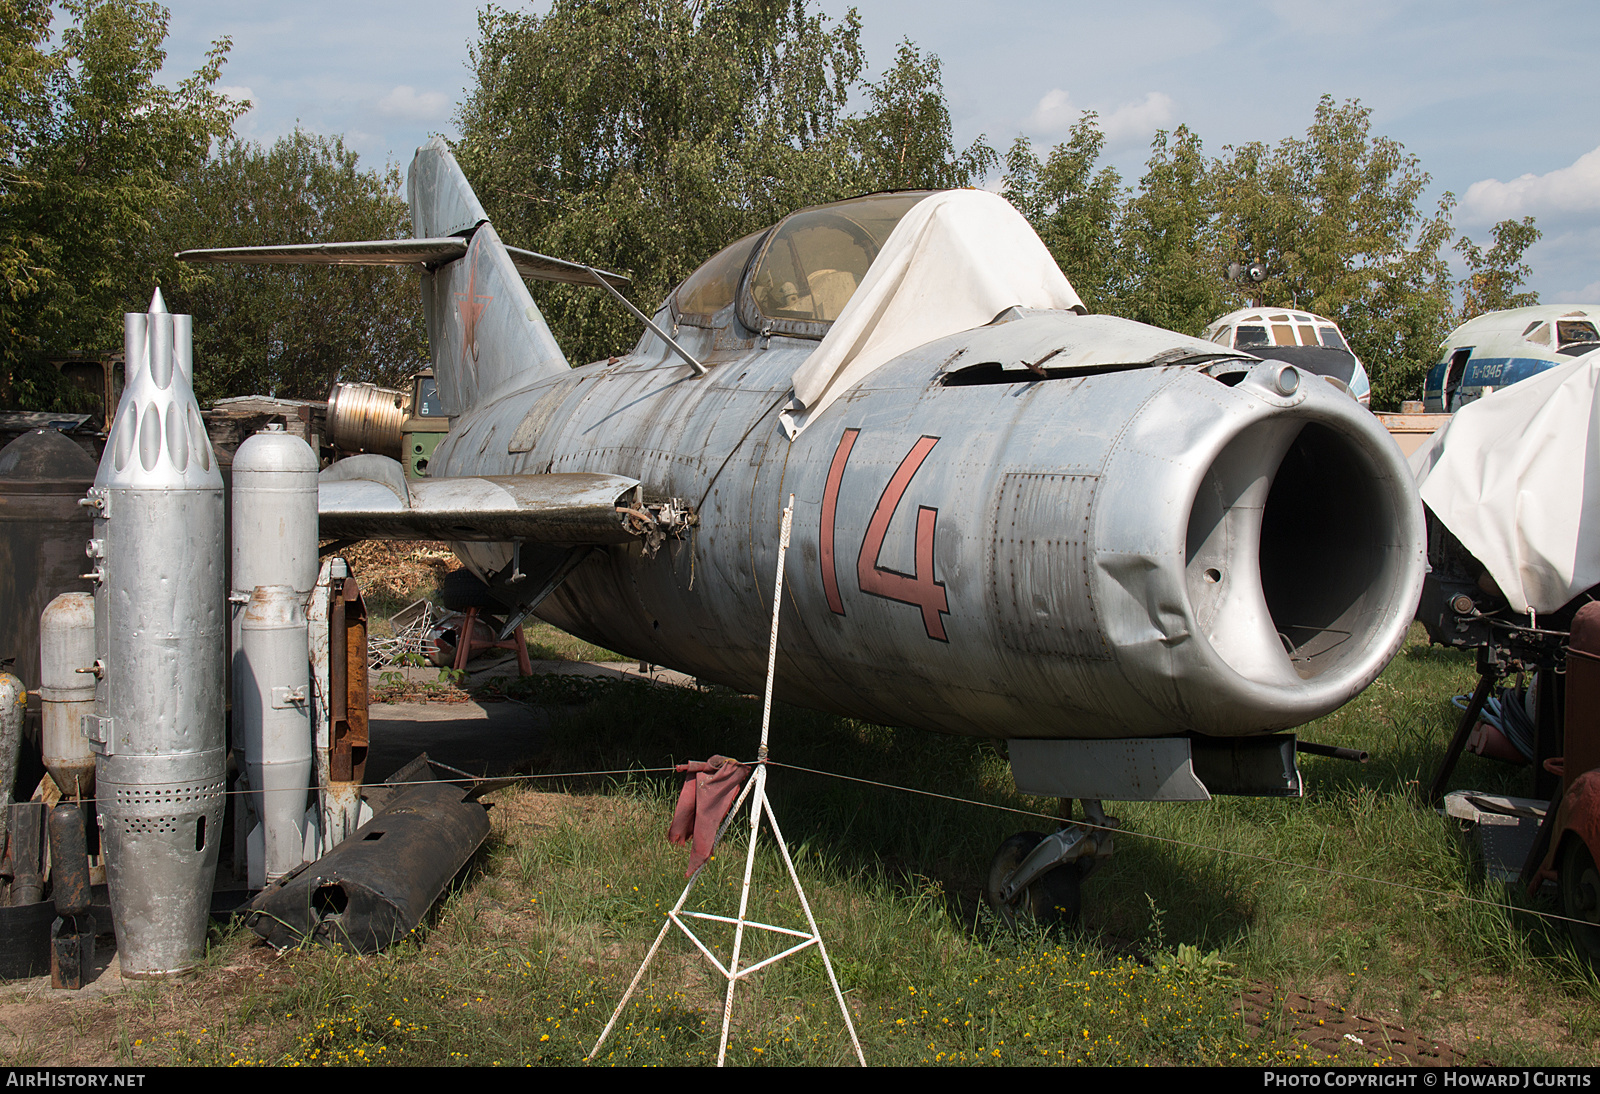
1051, 898
1580, 896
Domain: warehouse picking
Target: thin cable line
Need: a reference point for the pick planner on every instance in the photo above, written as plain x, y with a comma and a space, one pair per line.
1195, 846
1268, 859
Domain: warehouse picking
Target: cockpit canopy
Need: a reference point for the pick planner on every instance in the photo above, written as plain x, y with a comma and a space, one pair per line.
797, 276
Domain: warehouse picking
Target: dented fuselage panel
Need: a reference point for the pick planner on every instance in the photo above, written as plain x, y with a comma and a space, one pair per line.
1137, 551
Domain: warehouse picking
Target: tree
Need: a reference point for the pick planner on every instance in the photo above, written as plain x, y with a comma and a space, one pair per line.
1493, 279
1074, 208
1335, 218
25, 69
91, 147
904, 141
644, 135
1171, 277
290, 331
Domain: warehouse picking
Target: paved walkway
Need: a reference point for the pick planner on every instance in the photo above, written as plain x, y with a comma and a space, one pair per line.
483, 738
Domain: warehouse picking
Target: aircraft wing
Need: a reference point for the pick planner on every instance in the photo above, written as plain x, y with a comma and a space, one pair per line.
430, 253
368, 497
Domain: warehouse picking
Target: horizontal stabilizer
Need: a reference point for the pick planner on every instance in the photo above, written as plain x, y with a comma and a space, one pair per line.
538, 267
368, 497
428, 253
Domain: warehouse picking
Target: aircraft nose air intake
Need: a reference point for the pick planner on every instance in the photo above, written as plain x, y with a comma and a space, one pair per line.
1301, 552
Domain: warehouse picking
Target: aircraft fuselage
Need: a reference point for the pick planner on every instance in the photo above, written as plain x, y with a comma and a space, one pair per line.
1139, 551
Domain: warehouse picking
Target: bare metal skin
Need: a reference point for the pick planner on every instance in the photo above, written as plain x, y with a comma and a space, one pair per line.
1163, 536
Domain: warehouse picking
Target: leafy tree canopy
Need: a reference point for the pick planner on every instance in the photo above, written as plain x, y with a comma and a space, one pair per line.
644, 135
91, 147
1493, 277
291, 330
1074, 208
1334, 217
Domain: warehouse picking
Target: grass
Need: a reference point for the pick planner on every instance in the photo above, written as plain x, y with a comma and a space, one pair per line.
1355, 895
525, 962
546, 643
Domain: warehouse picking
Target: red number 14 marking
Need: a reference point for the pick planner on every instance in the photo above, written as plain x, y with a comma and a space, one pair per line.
918, 588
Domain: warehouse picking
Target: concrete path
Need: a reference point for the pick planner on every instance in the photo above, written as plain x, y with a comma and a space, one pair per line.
483, 738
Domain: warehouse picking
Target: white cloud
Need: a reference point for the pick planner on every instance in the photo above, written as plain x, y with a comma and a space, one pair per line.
237, 94
1586, 295
404, 102
1129, 123
1566, 190
1054, 113
1138, 121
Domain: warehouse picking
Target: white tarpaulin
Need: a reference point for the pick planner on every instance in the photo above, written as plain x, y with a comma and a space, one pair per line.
1516, 477
954, 262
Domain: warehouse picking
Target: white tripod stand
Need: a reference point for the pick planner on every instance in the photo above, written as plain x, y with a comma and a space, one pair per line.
755, 791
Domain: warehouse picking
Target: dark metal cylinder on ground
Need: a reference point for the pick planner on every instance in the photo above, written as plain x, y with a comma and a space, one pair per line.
72, 933
69, 859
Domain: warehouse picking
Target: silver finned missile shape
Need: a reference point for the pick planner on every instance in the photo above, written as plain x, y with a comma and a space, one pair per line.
160, 633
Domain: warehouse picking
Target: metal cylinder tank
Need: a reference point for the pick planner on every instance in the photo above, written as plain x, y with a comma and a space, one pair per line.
66, 691
274, 520
273, 718
161, 632
274, 547
367, 418
13, 708
43, 528
274, 512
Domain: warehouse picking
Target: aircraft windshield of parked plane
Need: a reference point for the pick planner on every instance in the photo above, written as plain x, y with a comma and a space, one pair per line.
808, 266
1499, 348
1313, 342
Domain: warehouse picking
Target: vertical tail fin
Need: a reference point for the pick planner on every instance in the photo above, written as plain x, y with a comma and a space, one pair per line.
486, 333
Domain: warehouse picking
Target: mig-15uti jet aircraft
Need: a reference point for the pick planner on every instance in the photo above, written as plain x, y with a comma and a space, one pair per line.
1135, 555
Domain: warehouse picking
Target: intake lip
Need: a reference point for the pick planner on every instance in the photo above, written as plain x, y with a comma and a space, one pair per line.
1265, 564
1302, 552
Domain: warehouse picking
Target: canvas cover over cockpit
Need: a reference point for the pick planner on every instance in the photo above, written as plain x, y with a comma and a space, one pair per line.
1516, 479
955, 261
872, 278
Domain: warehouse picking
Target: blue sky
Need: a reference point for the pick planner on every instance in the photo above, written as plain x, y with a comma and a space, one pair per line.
1496, 99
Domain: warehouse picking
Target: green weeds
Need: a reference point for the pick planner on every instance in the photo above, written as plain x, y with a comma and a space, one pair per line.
1356, 895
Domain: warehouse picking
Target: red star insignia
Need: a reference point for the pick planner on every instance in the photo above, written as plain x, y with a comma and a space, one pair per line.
471, 305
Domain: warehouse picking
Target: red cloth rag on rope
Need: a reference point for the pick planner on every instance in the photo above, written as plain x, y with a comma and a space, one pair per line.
708, 793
